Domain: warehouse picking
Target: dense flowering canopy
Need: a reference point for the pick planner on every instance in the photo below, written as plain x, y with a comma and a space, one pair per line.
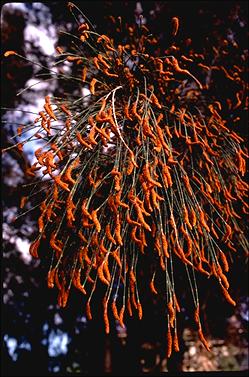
136, 169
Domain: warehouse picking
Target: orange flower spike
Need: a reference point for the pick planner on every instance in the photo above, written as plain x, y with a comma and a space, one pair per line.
60, 183
155, 101
223, 278
73, 58
147, 176
175, 26
161, 138
105, 316
83, 27
68, 172
171, 311
186, 218
140, 310
207, 157
91, 136
202, 339
49, 110
121, 316
95, 220
108, 234
129, 306
188, 239
171, 160
19, 130
177, 69
193, 217
50, 278
103, 106
201, 269
187, 184
50, 212
9, 53
135, 113
168, 132
65, 110
59, 50
84, 257
92, 86
159, 118
132, 157
82, 237
105, 70
204, 66
119, 202
33, 249
224, 261
154, 198
82, 141
141, 217
54, 245
106, 270
214, 231
77, 282
56, 280
173, 224
176, 303
101, 274
112, 204
132, 277
117, 186
228, 233
169, 343
49, 160
214, 269
165, 245
102, 60
23, 201
126, 112
102, 247
142, 236
88, 311
83, 74
95, 239
20, 147
41, 223
203, 221
183, 57
70, 208
197, 315
157, 245
117, 258
152, 287
138, 140
175, 342
95, 61
147, 199
115, 311
227, 296
118, 232
55, 148
166, 172
65, 295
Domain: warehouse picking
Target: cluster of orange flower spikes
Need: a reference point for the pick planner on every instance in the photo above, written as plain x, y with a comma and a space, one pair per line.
130, 175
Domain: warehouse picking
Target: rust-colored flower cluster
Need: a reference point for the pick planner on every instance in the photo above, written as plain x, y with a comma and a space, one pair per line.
133, 174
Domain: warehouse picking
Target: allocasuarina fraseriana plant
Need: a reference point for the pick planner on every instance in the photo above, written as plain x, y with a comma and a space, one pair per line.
134, 172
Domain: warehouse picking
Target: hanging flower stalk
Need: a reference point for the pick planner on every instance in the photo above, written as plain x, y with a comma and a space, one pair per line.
132, 174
